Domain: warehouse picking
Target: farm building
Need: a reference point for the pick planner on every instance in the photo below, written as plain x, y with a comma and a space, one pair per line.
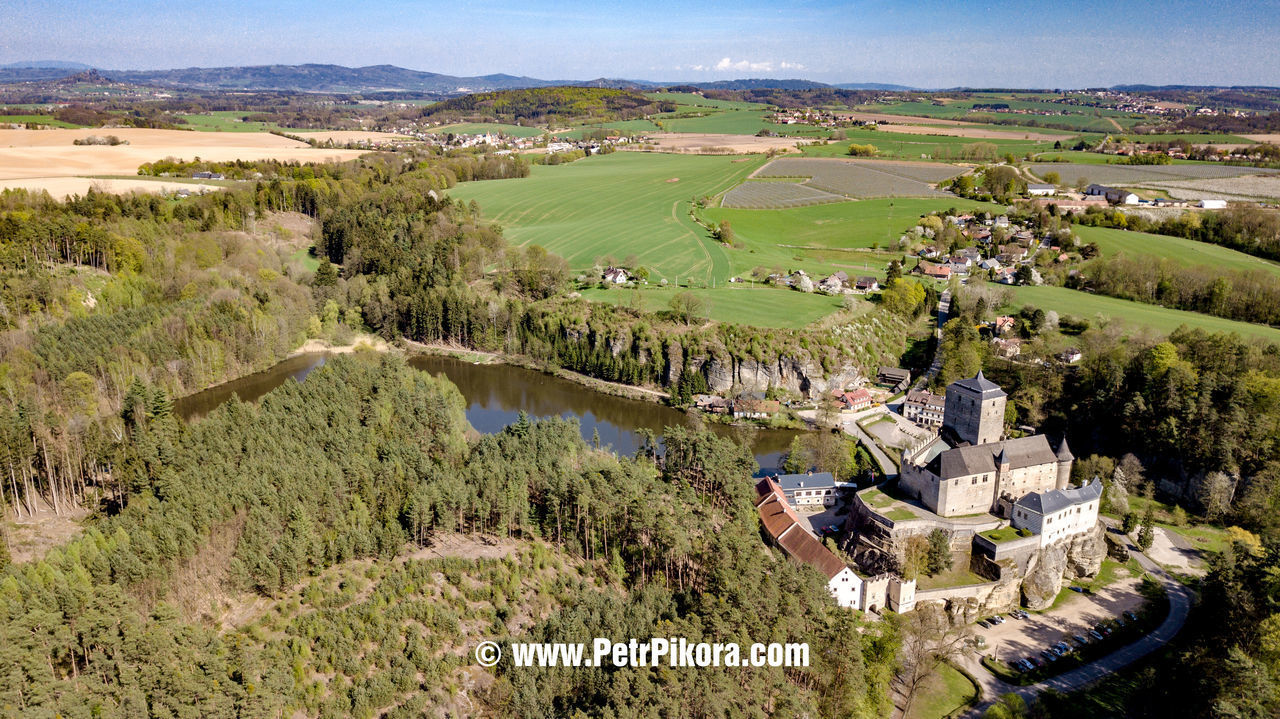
1212, 204
1041, 190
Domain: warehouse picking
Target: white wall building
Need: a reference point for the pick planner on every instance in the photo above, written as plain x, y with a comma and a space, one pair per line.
1060, 513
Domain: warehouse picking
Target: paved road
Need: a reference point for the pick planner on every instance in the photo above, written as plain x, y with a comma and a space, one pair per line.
1179, 607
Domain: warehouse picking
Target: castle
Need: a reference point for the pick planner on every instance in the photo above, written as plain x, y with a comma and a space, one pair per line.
969, 469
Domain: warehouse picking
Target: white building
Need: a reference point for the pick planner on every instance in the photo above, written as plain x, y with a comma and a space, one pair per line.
1212, 204
1059, 513
815, 489
1041, 190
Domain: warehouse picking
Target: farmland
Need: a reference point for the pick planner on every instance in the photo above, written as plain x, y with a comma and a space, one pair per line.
616, 205
757, 195
1138, 174
844, 226
1254, 187
688, 98
1177, 249
864, 179
734, 122
47, 120
741, 304
1132, 314
908, 146
227, 121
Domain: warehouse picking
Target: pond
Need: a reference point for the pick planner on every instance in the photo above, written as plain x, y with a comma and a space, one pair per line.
495, 395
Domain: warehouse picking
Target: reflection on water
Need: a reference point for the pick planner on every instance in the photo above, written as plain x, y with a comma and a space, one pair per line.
495, 394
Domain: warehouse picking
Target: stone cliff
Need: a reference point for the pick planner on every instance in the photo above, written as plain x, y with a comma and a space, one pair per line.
1079, 557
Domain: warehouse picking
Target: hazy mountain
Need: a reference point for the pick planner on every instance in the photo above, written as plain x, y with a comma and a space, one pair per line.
872, 86
322, 78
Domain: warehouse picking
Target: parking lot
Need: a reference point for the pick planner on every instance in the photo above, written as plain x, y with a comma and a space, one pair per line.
1018, 639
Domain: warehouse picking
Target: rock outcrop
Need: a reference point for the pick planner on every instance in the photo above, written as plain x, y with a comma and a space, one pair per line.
1077, 558
724, 373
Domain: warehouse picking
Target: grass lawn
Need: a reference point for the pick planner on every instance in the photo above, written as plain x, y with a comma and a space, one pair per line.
479, 128
1134, 314
1003, 534
943, 693
958, 576
308, 260
759, 307
1205, 537
1187, 252
617, 205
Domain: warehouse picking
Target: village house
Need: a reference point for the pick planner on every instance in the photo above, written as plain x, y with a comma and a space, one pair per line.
809, 490
616, 276
867, 284
856, 400
937, 272
755, 408
1071, 355
1006, 348
1002, 324
1041, 190
834, 284
895, 379
924, 408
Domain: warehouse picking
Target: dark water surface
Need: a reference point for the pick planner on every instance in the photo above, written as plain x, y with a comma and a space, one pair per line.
495, 394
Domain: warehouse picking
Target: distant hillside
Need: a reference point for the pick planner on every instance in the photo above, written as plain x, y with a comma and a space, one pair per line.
548, 104
322, 78
759, 84
873, 86
45, 65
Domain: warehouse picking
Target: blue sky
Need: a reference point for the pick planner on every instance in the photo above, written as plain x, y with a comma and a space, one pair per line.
925, 43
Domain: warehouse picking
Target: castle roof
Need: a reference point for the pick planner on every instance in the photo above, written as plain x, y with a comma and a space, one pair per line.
1064, 452
981, 458
979, 385
1055, 500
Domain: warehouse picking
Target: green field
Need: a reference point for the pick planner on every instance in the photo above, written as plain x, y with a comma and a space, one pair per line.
39, 119
625, 127
1187, 252
1079, 118
917, 147
479, 128
617, 205
1133, 314
735, 122
756, 306
837, 226
688, 98
228, 121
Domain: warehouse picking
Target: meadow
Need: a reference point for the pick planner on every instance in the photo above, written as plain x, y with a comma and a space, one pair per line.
690, 99
228, 121
617, 205
1132, 314
1187, 252
735, 122
864, 179
745, 304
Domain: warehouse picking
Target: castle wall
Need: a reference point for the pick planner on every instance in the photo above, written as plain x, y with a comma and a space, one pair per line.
1035, 478
970, 494
972, 419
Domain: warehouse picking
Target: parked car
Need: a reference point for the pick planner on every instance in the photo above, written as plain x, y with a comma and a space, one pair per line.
1081, 640
1050, 655
1063, 647
1018, 614
1106, 630
997, 619
1119, 624
1026, 664
1077, 589
984, 624
1132, 617
1037, 661
1096, 636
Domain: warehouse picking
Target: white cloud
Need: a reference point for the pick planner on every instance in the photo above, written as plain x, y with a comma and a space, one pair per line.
727, 65
790, 65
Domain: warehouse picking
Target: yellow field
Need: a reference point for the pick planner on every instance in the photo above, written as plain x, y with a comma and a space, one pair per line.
60, 187
46, 158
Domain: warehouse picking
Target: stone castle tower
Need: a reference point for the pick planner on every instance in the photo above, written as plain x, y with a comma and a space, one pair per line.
974, 410
1065, 460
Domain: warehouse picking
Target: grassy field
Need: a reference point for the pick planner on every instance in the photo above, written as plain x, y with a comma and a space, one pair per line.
842, 225
228, 121
1132, 314
921, 147
943, 693
626, 127
756, 306
688, 98
617, 205
1079, 118
38, 119
1187, 252
736, 122
479, 128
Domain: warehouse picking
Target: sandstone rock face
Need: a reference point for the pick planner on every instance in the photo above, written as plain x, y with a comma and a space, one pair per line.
1077, 558
1117, 548
725, 373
